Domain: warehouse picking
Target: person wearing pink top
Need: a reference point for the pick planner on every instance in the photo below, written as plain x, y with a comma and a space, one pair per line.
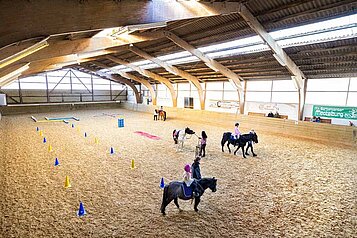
203, 141
237, 132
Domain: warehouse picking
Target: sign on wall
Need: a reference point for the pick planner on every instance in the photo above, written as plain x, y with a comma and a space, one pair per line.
223, 104
335, 112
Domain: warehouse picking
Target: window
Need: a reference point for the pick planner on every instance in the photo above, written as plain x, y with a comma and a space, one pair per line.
352, 99
258, 96
259, 85
284, 85
326, 98
328, 84
285, 97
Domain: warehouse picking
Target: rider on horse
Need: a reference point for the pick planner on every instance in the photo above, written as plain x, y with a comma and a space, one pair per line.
237, 132
189, 181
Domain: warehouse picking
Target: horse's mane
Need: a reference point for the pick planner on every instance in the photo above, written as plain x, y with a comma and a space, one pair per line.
206, 179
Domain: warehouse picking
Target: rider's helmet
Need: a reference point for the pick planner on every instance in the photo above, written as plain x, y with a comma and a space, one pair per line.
187, 168
237, 124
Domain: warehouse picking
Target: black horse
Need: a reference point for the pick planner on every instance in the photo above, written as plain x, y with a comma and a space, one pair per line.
241, 142
174, 191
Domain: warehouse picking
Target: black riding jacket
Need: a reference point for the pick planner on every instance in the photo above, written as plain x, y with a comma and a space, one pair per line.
196, 171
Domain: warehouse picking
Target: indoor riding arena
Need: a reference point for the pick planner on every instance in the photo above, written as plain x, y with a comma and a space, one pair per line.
117, 118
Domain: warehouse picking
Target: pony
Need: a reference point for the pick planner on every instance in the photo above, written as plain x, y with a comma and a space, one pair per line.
174, 190
179, 136
241, 142
162, 115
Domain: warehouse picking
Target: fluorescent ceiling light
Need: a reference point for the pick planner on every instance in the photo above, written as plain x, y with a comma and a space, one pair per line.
22, 54
15, 73
147, 26
9, 81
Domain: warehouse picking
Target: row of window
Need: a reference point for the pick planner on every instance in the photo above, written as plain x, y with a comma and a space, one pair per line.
339, 91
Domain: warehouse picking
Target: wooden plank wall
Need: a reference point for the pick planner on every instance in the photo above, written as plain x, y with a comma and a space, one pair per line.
316, 131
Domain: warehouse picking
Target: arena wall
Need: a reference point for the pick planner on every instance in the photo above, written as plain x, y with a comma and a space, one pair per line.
55, 107
316, 131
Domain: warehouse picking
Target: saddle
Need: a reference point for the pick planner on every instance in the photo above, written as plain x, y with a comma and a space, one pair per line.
187, 191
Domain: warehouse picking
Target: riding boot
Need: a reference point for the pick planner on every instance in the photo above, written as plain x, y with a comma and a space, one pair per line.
194, 189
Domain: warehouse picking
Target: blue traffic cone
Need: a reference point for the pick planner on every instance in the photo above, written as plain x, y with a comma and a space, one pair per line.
72, 125
162, 184
56, 162
37, 129
85, 134
44, 140
111, 150
81, 212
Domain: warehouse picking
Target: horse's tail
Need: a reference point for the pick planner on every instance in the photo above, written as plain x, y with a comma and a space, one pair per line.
174, 136
164, 197
224, 139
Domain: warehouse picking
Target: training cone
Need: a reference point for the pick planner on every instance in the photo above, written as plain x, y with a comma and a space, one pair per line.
162, 184
67, 184
85, 134
44, 140
56, 162
41, 133
81, 211
37, 129
111, 150
72, 125
78, 129
132, 164
50, 148
96, 140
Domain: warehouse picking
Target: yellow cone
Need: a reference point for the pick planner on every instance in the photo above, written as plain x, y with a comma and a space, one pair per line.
67, 184
41, 133
78, 129
50, 148
132, 164
96, 140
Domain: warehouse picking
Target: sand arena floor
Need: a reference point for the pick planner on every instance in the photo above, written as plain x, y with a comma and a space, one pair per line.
294, 188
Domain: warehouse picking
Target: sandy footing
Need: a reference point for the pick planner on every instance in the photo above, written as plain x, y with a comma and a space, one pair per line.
294, 188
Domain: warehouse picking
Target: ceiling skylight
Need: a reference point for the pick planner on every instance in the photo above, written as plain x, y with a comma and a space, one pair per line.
338, 28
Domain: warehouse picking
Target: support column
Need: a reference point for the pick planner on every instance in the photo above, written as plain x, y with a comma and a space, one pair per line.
47, 94
302, 98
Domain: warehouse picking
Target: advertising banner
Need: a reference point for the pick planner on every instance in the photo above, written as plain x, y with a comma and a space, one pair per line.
335, 112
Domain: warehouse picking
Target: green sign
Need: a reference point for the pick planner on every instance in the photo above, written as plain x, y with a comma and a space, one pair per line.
335, 112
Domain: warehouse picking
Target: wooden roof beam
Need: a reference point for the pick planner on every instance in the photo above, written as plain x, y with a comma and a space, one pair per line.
131, 77
298, 76
116, 79
233, 78
149, 74
174, 70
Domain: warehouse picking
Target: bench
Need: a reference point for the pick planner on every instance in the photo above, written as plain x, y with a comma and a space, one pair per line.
256, 114
323, 120
259, 114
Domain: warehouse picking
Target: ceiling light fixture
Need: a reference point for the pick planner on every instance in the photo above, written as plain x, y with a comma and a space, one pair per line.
22, 54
